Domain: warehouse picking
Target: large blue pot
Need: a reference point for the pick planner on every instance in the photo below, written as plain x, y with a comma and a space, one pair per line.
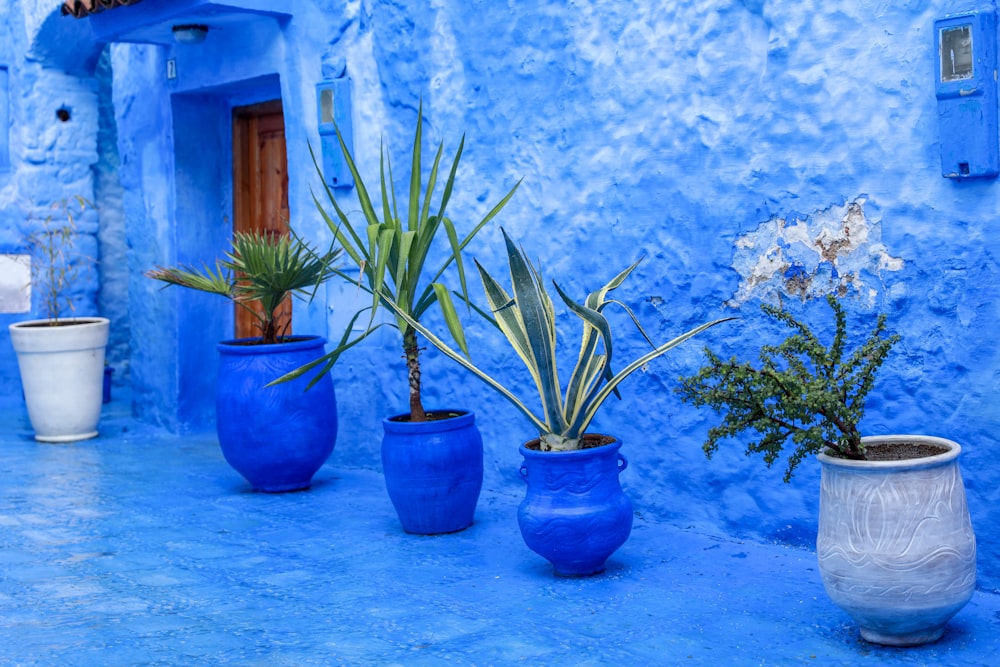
433, 471
276, 437
575, 513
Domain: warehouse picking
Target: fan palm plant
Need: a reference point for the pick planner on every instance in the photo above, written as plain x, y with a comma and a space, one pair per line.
527, 320
260, 268
391, 252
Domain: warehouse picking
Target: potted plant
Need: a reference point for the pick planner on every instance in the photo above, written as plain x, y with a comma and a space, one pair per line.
895, 544
432, 459
575, 513
276, 436
61, 359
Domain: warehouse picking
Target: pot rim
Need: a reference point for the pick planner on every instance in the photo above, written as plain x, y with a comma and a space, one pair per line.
460, 420
40, 324
534, 453
954, 449
239, 346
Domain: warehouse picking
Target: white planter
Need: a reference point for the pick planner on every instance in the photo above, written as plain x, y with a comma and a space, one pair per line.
62, 373
895, 545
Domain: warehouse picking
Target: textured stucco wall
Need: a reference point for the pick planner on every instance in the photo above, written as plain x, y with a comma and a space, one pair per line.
685, 133
108, 193
51, 157
749, 150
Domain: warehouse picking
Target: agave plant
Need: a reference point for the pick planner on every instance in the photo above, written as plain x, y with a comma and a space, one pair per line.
528, 321
261, 268
392, 249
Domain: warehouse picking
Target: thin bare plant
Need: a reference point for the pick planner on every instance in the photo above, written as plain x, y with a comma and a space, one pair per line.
56, 264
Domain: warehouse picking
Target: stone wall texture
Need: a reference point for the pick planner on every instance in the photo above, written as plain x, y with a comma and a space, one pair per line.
751, 151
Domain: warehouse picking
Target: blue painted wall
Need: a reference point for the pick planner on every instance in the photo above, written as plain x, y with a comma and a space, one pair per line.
750, 150
695, 134
52, 158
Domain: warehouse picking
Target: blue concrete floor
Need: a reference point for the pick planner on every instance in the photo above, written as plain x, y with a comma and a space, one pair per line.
144, 548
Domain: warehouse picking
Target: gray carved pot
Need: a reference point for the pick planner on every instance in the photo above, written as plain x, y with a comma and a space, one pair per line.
896, 548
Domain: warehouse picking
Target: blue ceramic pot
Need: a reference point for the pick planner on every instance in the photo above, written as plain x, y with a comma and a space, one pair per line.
276, 437
575, 513
433, 471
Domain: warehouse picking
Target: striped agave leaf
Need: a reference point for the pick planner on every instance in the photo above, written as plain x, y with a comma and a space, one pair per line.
527, 320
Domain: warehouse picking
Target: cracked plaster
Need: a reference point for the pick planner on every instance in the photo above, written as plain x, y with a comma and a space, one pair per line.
838, 248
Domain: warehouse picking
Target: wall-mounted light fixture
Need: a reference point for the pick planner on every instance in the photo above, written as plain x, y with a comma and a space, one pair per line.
333, 102
190, 33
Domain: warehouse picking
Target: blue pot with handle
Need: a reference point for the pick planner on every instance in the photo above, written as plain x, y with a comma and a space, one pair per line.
575, 513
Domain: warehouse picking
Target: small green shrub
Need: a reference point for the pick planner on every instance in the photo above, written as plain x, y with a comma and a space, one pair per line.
801, 391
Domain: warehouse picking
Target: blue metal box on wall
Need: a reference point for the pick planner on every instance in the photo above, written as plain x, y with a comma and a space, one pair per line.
966, 81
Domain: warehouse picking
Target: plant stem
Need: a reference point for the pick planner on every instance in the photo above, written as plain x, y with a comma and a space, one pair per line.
412, 353
270, 336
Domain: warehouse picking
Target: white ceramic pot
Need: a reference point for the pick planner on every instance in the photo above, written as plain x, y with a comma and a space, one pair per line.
62, 373
895, 545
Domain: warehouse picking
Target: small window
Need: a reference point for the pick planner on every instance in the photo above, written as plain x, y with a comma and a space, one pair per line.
956, 53
4, 121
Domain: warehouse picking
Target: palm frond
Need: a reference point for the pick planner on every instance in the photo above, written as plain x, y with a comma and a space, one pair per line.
259, 268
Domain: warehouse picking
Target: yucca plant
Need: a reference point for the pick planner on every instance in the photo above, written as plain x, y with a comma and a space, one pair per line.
528, 321
260, 268
392, 249
801, 391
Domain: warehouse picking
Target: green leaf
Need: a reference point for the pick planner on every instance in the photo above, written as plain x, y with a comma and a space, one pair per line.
472, 368
608, 388
802, 394
451, 317
537, 319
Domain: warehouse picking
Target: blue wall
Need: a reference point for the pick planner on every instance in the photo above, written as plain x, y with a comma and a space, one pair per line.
50, 69
706, 136
752, 151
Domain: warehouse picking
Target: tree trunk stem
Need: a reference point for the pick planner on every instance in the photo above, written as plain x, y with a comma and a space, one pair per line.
412, 353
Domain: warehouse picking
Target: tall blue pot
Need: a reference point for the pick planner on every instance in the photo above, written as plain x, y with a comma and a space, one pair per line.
575, 513
433, 471
276, 437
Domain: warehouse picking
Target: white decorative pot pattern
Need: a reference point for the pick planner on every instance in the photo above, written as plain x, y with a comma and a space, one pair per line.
895, 545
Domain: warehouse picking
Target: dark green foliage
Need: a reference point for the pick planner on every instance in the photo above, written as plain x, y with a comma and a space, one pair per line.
800, 391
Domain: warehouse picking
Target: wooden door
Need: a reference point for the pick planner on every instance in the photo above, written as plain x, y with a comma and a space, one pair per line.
260, 189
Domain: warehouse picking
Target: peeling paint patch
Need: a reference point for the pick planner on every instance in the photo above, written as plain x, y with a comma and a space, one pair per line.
836, 249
